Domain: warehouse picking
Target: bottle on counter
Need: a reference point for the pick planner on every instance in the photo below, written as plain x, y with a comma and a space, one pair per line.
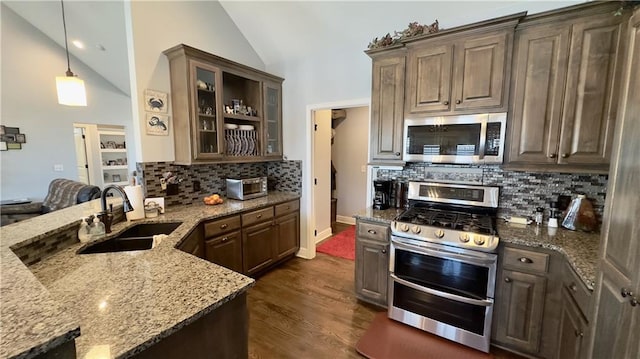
553, 215
539, 215
83, 232
97, 229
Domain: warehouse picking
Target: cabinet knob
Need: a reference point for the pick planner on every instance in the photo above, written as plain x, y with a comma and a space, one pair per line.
398, 154
507, 279
633, 301
579, 333
372, 231
525, 260
458, 102
225, 239
573, 287
553, 155
624, 292
384, 251
223, 226
565, 155
259, 216
445, 102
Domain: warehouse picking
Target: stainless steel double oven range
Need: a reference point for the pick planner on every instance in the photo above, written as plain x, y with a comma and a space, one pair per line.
443, 261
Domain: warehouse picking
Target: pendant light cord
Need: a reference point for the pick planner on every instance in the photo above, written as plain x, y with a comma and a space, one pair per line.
66, 46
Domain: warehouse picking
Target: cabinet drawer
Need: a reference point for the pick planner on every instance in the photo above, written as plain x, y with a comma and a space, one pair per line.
378, 232
526, 260
257, 216
217, 227
576, 289
287, 207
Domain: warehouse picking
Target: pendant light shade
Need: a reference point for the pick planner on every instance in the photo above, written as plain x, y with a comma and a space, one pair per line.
71, 91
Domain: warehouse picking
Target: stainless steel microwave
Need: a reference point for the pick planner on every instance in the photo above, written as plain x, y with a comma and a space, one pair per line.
247, 188
463, 139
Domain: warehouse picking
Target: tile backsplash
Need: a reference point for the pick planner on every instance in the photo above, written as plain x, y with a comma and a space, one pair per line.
282, 176
520, 192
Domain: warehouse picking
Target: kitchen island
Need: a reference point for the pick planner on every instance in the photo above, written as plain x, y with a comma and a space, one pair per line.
112, 304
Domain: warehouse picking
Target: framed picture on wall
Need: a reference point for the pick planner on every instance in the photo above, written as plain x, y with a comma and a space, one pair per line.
157, 124
155, 101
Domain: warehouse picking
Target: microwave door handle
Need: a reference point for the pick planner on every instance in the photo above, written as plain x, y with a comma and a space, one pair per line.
445, 254
483, 139
455, 297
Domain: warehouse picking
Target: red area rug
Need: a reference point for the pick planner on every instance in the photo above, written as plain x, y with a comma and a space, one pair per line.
341, 245
389, 339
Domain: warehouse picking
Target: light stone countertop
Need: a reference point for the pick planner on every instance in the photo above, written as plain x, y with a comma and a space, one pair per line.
579, 248
119, 303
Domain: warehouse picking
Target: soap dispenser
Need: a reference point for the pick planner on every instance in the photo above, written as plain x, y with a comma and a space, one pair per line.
97, 229
83, 231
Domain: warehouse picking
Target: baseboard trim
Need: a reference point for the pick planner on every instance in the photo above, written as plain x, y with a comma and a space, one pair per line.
324, 235
345, 219
304, 253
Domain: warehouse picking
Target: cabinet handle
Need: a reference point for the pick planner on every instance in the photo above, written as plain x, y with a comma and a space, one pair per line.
372, 231
398, 154
384, 251
624, 292
225, 239
573, 287
507, 279
445, 103
565, 155
525, 260
223, 226
259, 216
553, 155
579, 333
288, 208
458, 102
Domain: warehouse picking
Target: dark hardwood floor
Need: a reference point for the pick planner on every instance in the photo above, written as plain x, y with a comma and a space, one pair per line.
307, 309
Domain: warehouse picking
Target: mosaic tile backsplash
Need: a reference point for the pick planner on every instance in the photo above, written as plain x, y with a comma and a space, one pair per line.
520, 192
282, 176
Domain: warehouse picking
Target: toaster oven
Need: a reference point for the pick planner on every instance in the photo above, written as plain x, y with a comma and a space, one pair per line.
246, 188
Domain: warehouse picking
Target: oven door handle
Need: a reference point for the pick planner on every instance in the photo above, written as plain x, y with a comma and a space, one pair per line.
457, 298
445, 254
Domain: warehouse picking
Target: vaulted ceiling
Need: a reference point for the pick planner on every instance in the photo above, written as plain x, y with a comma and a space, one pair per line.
279, 31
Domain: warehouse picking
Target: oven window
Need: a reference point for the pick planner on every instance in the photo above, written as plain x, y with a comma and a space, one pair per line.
461, 315
251, 188
461, 140
445, 275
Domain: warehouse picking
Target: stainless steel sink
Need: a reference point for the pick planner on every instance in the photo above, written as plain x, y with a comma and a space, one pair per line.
136, 238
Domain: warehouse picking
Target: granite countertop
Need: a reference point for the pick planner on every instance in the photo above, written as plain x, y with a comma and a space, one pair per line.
113, 304
579, 248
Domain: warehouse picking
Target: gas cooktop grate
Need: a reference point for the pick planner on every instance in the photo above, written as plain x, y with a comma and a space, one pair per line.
461, 221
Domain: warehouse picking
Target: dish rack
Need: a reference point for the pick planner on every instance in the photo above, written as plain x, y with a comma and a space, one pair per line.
241, 142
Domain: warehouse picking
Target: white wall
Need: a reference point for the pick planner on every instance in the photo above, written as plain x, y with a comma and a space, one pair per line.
349, 156
157, 26
322, 172
30, 64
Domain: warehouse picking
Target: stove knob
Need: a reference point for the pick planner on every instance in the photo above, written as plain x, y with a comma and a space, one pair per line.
479, 241
415, 229
464, 238
404, 227
439, 233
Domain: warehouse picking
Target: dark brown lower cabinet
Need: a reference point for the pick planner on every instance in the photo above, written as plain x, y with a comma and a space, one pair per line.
258, 247
372, 271
287, 230
225, 250
194, 244
521, 310
572, 329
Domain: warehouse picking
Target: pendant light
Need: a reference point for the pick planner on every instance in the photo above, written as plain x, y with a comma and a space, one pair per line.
71, 90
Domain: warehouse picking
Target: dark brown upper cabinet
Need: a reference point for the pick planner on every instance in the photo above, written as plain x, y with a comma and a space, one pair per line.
565, 90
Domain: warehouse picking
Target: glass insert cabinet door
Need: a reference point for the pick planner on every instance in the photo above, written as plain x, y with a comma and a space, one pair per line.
206, 89
272, 119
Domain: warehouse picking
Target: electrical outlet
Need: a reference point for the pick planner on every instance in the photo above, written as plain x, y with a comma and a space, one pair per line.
58, 168
196, 186
163, 184
363, 169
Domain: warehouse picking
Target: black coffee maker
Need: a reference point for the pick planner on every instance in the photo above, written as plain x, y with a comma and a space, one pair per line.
382, 194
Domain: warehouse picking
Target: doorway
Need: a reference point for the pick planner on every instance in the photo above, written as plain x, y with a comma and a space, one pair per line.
318, 182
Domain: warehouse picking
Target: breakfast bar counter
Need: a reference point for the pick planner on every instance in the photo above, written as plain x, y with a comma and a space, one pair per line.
114, 305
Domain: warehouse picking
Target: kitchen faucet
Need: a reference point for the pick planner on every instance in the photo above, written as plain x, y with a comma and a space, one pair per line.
105, 216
